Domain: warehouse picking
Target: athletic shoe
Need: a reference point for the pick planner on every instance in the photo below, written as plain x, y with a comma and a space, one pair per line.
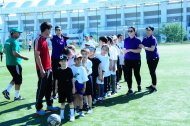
108, 94
72, 118
149, 87
6, 94
41, 112
152, 90
139, 88
18, 99
130, 92
51, 108
89, 111
81, 114
94, 101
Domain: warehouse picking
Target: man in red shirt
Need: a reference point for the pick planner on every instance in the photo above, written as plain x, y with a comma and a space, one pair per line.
43, 67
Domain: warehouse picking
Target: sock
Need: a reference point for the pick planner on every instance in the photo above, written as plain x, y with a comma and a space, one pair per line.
62, 113
17, 93
72, 111
9, 87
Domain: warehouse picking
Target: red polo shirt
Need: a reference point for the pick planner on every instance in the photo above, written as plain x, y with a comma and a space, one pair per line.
41, 45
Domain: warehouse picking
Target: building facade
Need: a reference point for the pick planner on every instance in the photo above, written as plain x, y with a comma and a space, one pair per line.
97, 17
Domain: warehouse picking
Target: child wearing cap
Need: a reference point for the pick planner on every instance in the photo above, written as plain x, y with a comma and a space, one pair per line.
87, 64
66, 87
80, 79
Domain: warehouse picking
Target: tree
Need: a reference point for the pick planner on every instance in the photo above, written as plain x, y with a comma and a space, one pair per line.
174, 32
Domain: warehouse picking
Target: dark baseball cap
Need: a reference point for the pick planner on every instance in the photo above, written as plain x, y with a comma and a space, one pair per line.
150, 28
57, 27
63, 57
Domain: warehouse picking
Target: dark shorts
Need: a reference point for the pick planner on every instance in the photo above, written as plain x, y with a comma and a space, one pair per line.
16, 73
79, 87
55, 65
88, 90
1, 53
65, 92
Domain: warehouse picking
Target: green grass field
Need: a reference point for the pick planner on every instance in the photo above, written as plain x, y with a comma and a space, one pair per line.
170, 106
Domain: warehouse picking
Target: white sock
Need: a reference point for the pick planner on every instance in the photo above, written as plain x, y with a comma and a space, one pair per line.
17, 93
62, 113
72, 112
9, 87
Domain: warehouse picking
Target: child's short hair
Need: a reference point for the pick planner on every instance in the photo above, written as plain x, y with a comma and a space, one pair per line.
85, 50
103, 39
105, 46
72, 47
66, 51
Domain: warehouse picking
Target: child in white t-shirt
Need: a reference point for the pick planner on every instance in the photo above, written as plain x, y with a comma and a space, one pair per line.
113, 66
80, 79
102, 80
87, 64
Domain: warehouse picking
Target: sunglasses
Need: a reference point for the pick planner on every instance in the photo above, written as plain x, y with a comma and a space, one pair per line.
130, 31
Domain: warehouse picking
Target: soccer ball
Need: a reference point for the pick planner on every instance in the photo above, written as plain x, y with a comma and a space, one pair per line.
54, 120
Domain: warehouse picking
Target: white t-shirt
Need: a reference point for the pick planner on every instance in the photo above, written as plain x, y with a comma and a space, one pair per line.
88, 65
121, 56
79, 74
105, 63
113, 56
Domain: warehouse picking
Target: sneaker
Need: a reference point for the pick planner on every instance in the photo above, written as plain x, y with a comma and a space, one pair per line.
89, 111
41, 112
81, 114
152, 90
108, 94
72, 118
149, 87
18, 99
139, 88
6, 94
94, 101
130, 92
51, 108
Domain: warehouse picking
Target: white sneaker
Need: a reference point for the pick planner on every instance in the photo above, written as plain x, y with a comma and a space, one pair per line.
72, 118
94, 102
89, 111
81, 114
109, 94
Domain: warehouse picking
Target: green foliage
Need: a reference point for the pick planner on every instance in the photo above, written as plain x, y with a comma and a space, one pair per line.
174, 32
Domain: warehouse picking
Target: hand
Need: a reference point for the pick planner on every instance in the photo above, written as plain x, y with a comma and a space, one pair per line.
141, 46
42, 73
128, 50
25, 58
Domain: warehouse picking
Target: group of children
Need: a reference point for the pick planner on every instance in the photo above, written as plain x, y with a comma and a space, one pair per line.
88, 76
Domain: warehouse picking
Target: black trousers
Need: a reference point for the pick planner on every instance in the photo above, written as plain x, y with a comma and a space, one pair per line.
107, 84
133, 65
152, 65
55, 66
94, 85
1, 54
44, 89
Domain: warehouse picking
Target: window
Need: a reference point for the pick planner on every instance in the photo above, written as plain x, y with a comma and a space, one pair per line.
113, 16
174, 11
152, 21
60, 19
12, 22
94, 17
44, 20
129, 15
152, 13
94, 24
77, 18
78, 26
113, 23
28, 21
174, 19
29, 28
132, 22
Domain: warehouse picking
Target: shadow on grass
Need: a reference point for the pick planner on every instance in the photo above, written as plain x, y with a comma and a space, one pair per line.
5, 103
122, 99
